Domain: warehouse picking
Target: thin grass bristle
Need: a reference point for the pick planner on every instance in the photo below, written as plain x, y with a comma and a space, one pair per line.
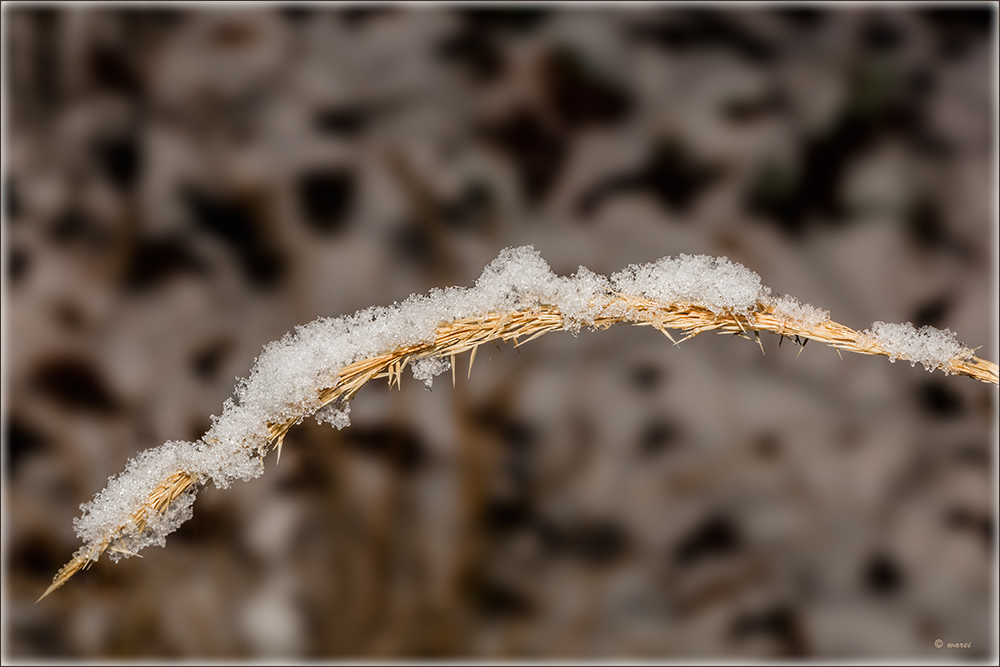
466, 335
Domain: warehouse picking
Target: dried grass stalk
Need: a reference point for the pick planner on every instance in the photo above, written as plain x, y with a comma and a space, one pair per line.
466, 335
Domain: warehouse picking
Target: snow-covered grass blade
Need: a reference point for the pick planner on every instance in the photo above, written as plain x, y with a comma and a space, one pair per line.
319, 368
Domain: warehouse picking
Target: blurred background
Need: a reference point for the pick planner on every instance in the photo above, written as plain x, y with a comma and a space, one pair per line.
183, 186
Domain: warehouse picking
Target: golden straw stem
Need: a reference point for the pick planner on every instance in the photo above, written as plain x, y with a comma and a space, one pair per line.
466, 334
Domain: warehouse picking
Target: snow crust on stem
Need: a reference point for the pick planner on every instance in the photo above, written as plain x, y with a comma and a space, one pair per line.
284, 383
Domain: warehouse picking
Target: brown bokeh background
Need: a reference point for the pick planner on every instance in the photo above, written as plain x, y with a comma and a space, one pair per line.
183, 186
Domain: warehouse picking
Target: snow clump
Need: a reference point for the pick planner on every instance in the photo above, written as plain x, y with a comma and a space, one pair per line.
789, 308
711, 282
425, 369
931, 347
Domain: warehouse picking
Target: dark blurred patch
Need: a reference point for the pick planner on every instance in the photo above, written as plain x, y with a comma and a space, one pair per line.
234, 34
198, 427
879, 104
958, 29
593, 542
213, 523
110, 68
23, 442
414, 245
234, 222
880, 35
599, 543
775, 193
69, 316
978, 525
398, 447
472, 210
518, 438
938, 399
42, 637
75, 228
694, 30
142, 25
295, 13
676, 177
579, 94
36, 555
521, 20
927, 228
137, 631
420, 240
716, 536
312, 473
744, 110
916, 93
768, 446
154, 262
780, 624
803, 18
496, 600
882, 575
921, 82
18, 263
671, 174
348, 121
973, 454
646, 377
356, 17
538, 152
502, 516
207, 360
516, 435
11, 200
987, 529
658, 436
478, 42
932, 313
850, 436
788, 197
120, 158
983, 404
326, 198
74, 384
45, 59
476, 50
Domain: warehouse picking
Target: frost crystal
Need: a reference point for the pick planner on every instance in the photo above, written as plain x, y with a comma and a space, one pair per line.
425, 369
929, 346
789, 308
337, 418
